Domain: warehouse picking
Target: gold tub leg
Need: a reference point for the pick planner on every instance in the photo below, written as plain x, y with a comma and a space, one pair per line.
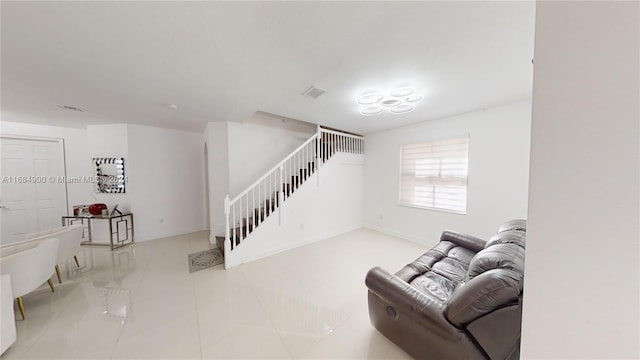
58, 274
51, 285
21, 307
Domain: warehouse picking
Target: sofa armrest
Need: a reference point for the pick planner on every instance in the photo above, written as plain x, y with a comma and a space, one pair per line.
465, 240
427, 311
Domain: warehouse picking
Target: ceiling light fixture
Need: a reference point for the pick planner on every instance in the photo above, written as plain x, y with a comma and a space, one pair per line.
390, 102
413, 98
369, 99
372, 110
398, 101
402, 92
402, 109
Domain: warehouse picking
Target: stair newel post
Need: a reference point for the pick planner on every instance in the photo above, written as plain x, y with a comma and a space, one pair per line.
318, 153
281, 195
227, 235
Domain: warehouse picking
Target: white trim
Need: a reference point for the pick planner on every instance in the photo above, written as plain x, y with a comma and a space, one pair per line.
340, 133
400, 235
182, 231
36, 138
432, 208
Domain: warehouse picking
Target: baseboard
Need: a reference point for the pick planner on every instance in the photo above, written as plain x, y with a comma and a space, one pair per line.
183, 231
400, 235
298, 244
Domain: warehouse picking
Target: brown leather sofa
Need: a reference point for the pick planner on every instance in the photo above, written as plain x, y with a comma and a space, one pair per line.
460, 300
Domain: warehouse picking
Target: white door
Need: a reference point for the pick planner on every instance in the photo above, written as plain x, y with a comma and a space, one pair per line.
32, 195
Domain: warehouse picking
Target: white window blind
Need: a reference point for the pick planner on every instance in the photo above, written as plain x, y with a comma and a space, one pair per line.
434, 175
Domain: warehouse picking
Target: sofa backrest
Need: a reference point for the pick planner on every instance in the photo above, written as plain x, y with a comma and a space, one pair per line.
508, 237
70, 238
12, 248
54, 232
516, 224
31, 266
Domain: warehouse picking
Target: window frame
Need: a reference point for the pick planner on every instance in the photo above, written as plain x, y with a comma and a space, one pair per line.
430, 208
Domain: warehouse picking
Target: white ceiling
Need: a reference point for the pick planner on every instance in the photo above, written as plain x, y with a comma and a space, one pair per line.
223, 61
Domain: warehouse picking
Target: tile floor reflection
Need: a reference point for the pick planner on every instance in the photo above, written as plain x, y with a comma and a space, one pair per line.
141, 302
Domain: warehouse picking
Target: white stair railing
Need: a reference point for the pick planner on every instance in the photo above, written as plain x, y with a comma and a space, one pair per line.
266, 196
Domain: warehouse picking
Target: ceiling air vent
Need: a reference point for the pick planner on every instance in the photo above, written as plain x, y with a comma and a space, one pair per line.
313, 92
70, 108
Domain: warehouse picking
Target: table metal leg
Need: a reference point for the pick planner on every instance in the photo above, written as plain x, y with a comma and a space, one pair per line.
89, 225
111, 233
133, 237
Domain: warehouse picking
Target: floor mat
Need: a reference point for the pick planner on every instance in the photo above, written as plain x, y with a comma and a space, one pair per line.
205, 259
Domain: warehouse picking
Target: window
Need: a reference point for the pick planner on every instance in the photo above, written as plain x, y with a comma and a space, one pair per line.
434, 175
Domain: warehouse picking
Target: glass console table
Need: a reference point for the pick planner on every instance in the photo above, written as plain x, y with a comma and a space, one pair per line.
121, 230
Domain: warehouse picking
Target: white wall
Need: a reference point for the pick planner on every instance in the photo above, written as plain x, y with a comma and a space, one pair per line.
581, 295
166, 185
255, 149
313, 212
218, 157
77, 159
109, 141
239, 153
497, 179
165, 170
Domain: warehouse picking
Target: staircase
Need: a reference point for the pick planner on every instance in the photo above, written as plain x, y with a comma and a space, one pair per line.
267, 196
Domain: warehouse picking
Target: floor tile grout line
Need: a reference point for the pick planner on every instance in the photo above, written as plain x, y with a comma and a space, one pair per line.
195, 299
266, 313
144, 273
306, 292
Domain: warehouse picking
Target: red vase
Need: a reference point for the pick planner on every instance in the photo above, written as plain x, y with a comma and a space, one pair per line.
96, 209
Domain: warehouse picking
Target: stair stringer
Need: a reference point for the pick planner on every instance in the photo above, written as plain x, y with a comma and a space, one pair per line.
313, 212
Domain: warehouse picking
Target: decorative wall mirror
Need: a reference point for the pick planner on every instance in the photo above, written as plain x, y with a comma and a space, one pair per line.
110, 175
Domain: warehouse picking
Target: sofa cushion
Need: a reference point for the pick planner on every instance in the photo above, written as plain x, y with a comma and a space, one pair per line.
435, 286
499, 256
444, 250
494, 279
485, 293
461, 255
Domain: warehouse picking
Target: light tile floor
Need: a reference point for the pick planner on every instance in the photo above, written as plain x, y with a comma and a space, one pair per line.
141, 302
